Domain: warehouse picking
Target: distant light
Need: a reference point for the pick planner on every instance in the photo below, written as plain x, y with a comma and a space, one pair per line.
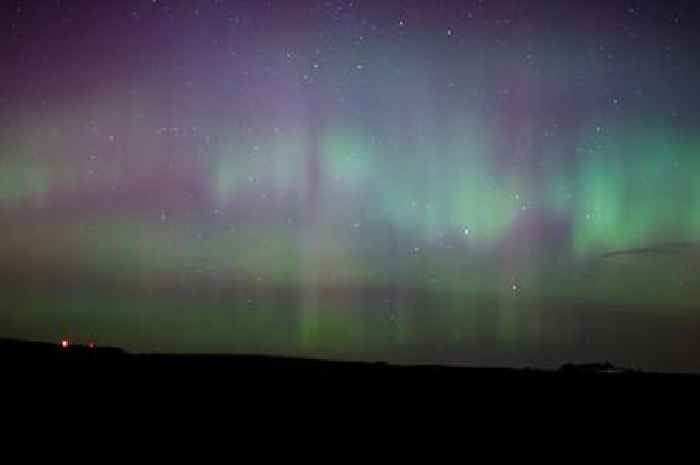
91, 345
65, 343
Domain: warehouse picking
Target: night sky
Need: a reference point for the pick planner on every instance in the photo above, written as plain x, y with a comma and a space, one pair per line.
465, 182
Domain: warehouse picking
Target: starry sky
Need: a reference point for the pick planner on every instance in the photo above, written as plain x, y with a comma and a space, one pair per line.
472, 182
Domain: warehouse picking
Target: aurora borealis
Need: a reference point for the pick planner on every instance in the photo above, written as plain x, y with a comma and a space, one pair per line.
472, 182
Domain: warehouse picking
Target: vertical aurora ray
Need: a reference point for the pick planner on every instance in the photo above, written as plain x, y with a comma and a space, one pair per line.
637, 187
490, 183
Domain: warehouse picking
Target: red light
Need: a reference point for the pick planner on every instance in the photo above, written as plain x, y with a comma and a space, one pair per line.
91, 345
65, 343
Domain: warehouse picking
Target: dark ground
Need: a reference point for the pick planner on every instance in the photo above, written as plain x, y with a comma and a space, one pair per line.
26, 355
